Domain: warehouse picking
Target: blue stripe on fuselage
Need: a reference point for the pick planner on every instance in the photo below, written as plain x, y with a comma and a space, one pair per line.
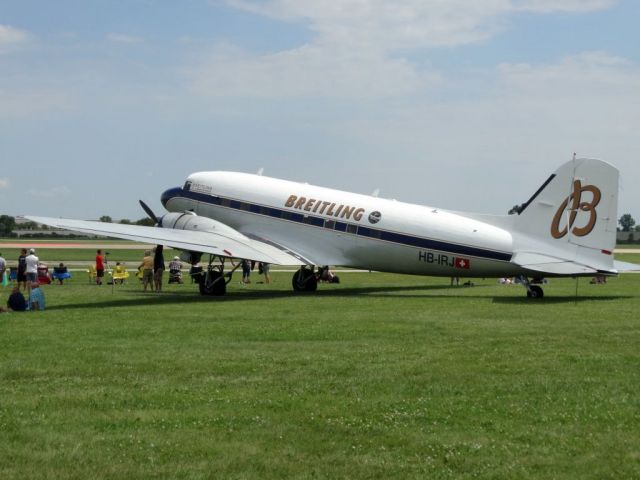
351, 228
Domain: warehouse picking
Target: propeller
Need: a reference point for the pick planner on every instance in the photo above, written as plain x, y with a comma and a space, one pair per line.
149, 212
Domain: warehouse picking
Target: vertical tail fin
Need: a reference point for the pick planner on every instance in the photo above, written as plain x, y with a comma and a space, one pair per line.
574, 213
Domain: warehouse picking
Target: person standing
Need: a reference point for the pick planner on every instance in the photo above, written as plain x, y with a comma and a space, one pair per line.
147, 270
3, 268
246, 272
31, 269
158, 268
99, 267
22, 268
265, 270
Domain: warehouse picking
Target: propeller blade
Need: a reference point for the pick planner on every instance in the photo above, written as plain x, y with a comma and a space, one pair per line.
149, 212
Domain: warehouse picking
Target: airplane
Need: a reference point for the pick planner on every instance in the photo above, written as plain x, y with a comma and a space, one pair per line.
566, 229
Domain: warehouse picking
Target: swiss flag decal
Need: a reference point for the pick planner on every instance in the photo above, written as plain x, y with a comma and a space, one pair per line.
462, 263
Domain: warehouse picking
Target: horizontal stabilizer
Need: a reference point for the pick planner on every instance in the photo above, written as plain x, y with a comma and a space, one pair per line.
625, 267
550, 265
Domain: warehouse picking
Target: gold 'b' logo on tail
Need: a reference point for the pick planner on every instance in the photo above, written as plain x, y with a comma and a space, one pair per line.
577, 204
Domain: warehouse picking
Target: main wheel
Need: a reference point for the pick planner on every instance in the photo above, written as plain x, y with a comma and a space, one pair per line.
535, 291
213, 284
304, 280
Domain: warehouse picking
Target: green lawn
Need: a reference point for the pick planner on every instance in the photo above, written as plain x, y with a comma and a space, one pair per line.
382, 376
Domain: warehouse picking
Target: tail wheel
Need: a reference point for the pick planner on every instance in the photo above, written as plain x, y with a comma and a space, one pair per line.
304, 280
213, 283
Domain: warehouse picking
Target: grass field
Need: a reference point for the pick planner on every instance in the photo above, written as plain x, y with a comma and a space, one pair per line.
383, 376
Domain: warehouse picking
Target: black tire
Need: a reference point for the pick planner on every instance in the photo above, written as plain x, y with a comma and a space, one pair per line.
535, 292
304, 280
312, 283
215, 286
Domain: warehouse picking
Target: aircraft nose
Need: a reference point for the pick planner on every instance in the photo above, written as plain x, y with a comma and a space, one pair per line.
169, 194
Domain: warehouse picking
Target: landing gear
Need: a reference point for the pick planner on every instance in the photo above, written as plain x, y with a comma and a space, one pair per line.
214, 280
533, 291
304, 280
213, 283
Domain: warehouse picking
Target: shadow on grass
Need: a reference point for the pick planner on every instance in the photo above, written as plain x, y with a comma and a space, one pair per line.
399, 292
559, 299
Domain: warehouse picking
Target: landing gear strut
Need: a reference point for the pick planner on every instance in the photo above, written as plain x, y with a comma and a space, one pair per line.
304, 280
214, 280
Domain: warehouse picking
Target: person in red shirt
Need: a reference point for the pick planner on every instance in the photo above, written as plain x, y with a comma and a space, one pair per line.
99, 267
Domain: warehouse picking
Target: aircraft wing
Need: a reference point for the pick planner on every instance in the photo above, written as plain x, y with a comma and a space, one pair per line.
230, 245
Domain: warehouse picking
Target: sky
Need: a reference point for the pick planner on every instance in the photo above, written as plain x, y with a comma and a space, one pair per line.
460, 104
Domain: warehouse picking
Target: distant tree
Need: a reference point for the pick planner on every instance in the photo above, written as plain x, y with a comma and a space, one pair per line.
29, 226
637, 228
106, 219
125, 221
7, 225
146, 221
627, 222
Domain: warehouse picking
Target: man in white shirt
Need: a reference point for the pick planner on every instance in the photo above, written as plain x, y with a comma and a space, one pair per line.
3, 267
32, 268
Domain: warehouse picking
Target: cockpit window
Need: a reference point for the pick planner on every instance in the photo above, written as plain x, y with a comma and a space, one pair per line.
196, 187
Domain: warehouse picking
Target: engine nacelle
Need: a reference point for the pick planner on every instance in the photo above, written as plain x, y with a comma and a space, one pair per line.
191, 221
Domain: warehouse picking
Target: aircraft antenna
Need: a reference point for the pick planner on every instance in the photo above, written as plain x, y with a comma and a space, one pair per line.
260, 171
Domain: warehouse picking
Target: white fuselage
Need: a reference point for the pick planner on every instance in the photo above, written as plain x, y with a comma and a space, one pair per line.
333, 227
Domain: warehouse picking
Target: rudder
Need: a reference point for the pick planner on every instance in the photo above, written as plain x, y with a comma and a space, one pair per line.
575, 210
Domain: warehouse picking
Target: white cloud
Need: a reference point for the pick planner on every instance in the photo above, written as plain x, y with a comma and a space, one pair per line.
123, 38
359, 48
386, 24
12, 38
310, 70
4, 183
526, 118
392, 24
572, 6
